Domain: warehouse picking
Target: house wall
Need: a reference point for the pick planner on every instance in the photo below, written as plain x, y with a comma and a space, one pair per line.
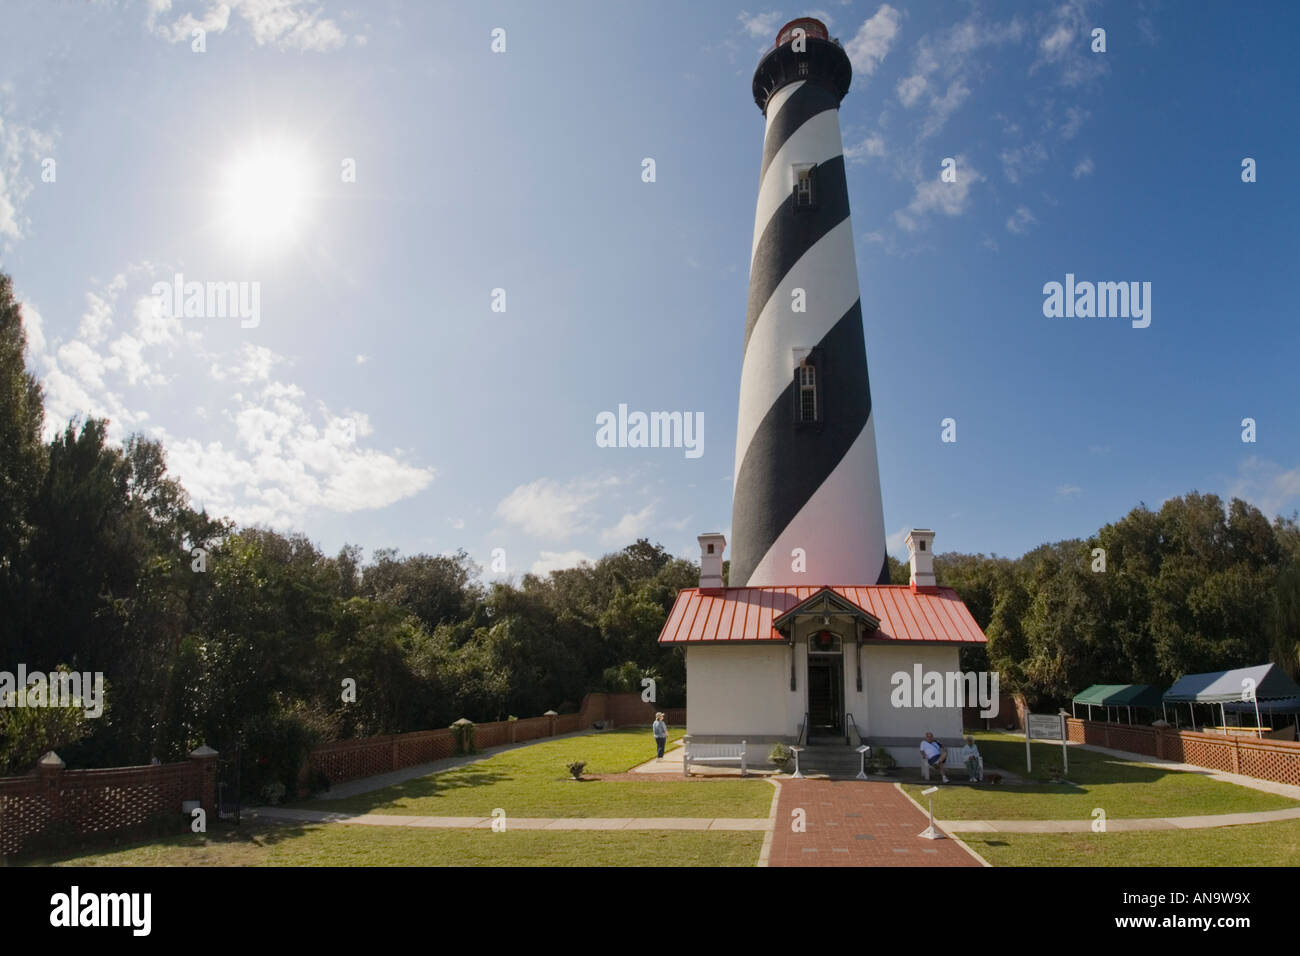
742, 691
901, 728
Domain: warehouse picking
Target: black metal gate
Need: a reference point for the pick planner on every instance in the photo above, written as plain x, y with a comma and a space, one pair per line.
228, 780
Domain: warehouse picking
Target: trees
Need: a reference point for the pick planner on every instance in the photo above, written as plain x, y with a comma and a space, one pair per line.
22, 462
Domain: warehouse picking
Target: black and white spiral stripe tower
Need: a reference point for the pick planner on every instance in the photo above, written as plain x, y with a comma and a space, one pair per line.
806, 472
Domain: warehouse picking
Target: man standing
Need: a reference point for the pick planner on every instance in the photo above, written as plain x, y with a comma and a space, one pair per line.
934, 753
661, 733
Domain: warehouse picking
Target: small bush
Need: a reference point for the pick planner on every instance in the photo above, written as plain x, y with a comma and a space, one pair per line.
781, 756
576, 767
462, 734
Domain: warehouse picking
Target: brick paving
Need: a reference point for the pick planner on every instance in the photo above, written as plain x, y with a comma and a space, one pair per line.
856, 823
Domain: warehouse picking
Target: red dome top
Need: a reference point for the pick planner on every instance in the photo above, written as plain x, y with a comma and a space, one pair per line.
811, 26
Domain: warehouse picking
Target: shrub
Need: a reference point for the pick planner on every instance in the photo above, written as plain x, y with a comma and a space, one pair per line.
462, 734
279, 745
576, 767
781, 756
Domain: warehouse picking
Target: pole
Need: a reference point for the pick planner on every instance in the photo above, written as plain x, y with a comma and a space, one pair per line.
1029, 760
1065, 753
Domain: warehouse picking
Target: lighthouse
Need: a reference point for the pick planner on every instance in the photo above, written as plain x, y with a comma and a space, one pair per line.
803, 642
806, 506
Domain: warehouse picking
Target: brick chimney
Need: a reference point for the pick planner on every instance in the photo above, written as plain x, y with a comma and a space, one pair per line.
920, 554
712, 545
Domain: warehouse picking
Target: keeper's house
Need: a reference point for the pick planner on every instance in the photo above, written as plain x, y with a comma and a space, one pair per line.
817, 664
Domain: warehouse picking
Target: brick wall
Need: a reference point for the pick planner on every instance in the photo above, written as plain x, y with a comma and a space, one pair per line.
349, 759
86, 802
82, 803
1276, 760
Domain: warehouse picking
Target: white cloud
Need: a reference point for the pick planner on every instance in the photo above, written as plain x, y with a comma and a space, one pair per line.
1084, 167
457, 523
873, 145
935, 196
546, 508
362, 359
254, 364
1267, 485
283, 458
631, 526
947, 61
22, 149
1065, 43
942, 107
559, 560
761, 26
287, 461
1074, 120
1020, 220
910, 89
1021, 161
1068, 491
286, 24
896, 543
34, 326
873, 40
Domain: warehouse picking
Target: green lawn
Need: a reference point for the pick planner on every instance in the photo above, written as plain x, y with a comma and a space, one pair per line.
1121, 789
1261, 844
342, 845
532, 782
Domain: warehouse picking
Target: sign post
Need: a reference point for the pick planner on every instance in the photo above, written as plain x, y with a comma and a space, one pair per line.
1046, 727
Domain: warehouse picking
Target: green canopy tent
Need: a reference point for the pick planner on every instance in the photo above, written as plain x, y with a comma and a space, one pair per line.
1126, 696
1245, 684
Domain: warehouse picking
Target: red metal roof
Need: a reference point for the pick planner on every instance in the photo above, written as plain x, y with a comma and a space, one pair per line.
746, 614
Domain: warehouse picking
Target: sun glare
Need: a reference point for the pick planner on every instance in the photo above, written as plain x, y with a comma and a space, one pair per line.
264, 197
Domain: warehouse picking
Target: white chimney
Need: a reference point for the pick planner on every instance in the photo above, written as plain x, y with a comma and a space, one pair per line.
920, 552
711, 547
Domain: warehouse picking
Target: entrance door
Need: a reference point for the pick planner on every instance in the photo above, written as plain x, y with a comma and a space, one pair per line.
825, 695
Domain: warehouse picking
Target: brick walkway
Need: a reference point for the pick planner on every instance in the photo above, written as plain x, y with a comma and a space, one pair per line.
855, 823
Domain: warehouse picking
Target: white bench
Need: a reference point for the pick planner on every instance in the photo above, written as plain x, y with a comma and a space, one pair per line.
712, 753
956, 761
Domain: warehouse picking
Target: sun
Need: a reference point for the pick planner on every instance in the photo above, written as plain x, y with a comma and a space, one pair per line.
263, 196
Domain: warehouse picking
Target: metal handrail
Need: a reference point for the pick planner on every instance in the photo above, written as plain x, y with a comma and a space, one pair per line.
848, 719
803, 729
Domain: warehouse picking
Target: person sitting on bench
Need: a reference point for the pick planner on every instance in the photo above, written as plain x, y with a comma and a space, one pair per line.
974, 765
934, 753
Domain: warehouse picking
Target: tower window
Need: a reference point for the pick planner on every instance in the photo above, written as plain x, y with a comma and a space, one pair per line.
922, 543
803, 67
806, 395
804, 186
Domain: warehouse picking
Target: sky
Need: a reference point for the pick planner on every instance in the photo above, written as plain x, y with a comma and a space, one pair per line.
451, 261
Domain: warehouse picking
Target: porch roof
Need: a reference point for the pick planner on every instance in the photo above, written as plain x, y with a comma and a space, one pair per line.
739, 615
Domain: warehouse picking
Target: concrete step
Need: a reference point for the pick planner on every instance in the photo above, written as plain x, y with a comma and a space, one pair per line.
830, 760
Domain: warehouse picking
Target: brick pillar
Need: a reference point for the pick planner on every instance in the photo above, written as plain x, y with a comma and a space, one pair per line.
1160, 742
50, 773
511, 724
393, 755
204, 761
550, 715
1236, 753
